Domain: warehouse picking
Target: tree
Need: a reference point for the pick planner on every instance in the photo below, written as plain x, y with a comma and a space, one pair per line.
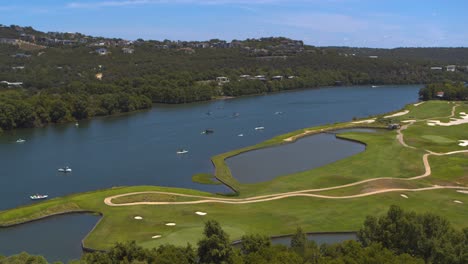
254, 243
215, 247
299, 241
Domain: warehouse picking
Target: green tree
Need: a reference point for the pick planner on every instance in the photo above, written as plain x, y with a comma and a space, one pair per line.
299, 241
215, 247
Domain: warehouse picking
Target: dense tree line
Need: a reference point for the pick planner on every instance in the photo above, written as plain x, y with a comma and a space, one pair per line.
397, 237
445, 91
65, 77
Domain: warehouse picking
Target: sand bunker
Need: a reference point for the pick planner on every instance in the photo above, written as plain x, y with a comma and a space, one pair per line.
138, 217
456, 201
398, 114
463, 143
156, 236
453, 121
418, 104
200, 213
170, 224
462, 191
404, 196
368, 121
408, 121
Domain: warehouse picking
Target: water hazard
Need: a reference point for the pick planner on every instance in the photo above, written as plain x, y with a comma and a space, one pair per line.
304, 154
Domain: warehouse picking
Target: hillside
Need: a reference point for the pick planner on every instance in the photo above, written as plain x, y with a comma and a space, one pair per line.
64, 77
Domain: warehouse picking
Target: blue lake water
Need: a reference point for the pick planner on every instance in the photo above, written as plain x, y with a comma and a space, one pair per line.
140, 148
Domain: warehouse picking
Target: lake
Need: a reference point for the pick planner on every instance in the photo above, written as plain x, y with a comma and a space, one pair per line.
140, 148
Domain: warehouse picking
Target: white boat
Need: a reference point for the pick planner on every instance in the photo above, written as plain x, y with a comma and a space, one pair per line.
259, 128
76, 124
182, 151
278, 113
240, 135
38, 196
65, 169
374, 86
20, 140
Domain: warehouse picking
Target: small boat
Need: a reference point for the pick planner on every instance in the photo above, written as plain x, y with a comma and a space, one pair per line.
76, 124
38, 196
208, 113
182, 151
240, 135
20, 140
208, 131
259, 128
374, 86
235, 115
65, 169
278, 113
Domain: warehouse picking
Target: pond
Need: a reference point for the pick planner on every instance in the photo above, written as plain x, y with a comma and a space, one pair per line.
57, 238
304, 154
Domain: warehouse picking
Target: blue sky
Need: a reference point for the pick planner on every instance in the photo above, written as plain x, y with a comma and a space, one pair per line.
363, 23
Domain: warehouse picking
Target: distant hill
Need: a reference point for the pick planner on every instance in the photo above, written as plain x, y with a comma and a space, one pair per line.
52, 77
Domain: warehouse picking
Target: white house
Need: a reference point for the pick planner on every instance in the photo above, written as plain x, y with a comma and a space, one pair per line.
436, 68
451, 68
222, 80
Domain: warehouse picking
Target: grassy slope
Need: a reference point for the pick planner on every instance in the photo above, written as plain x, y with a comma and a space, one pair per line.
383, 157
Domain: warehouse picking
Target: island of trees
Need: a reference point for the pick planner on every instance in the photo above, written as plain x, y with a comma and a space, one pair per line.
58, 77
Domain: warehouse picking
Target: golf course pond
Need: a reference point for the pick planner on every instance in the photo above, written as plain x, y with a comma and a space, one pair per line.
304, 154
58, 238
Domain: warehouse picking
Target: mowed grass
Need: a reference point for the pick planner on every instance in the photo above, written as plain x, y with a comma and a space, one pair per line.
269, 218
436, 138
427, 110
383, 157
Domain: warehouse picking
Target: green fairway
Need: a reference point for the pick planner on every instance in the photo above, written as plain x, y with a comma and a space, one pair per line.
279, 206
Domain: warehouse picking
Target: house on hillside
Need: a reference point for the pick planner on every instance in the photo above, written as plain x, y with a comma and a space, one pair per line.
451, 68
440, 94
128, 50
373, 57
222, 80
102, 51
393, 126
277, 78
436, 68
12, 84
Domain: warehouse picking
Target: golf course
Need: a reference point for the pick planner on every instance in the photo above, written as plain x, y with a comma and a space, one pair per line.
419, 165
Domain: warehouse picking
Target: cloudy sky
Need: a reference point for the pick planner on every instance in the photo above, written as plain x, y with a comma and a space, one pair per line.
363, 23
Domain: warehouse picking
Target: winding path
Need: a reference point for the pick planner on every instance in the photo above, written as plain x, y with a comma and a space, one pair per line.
307, 192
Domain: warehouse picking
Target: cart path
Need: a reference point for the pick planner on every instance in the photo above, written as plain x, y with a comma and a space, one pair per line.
307, 192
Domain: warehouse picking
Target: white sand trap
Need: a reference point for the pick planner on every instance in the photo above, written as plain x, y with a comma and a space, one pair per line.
138, 217
404, 196
200, 213
458, 202
453, 121
462, 191
170, 224
463, 143
418, 104
408, 121
156, 236
368, 121
398, 114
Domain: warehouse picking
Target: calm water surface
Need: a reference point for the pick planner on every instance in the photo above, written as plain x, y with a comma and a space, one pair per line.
56, 238
304, 154
141, 148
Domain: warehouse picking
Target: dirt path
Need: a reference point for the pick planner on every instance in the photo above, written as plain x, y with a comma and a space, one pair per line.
307, 192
